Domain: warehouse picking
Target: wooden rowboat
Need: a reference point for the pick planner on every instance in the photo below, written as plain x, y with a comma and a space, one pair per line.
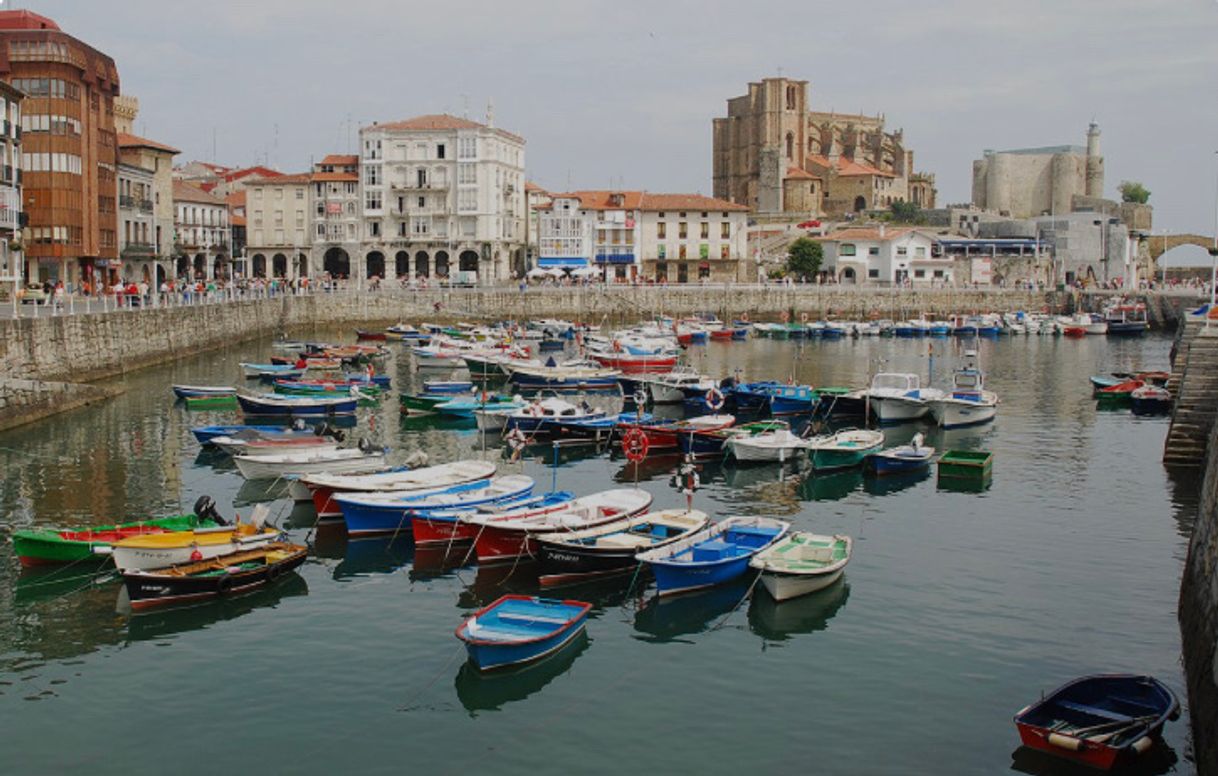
227, 575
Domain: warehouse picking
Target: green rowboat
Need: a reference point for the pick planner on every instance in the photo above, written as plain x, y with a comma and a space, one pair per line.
38, 547
845, 449
211, 402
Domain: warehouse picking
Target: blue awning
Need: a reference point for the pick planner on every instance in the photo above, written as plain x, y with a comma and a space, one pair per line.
562, 261
615, 258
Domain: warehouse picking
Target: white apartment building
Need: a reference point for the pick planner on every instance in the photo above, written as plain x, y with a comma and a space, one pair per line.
202, 240
443, 197
880, 255
136, 225
277, 225
12, 269
157, 158
337, 217
629, 235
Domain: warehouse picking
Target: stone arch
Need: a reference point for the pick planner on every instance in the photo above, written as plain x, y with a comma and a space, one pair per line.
219, 266
848, 276
401, 264
337, 262
160, 274
441, 264
279, 265
790, 145
200, 265
468, 261
860, 203
258, 265
302, 265
1157, 245
374, 264
421, 264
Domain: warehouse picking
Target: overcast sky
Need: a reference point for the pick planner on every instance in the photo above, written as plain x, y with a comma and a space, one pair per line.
622, 94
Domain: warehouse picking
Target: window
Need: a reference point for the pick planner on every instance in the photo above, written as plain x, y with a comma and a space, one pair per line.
661, 230
374, 228
705, 230
300, 218
321, 230
372, 200
662, 252
422, 202
467, 199
440, 151
725, 230
466, 174
938, 273
873, 273
724, 251
846, 249
901, 250
681, 252
920, 251
372, 175
401, 228
874, 250
682, 229
919, 273
299, 193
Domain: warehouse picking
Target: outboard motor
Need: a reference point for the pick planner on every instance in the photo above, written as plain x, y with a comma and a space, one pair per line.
299, 424
367, 447
205, 509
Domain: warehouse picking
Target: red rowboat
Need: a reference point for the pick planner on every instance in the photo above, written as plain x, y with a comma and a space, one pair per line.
363, 334
629, 364
1075, 331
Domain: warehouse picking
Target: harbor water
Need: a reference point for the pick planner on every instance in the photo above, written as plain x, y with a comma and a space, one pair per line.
957, 609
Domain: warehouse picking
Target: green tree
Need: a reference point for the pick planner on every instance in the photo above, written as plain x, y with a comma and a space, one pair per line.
905, 212
1133, 191
804, 257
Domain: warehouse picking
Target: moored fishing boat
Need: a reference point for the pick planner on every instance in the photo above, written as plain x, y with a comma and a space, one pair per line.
1150, 400
254, 371
802, 563
899, 397
901, 459
518, 629
845, 449
578, 556
537, 416
630, 363
968, 403
706, 444
451, 526
296, 406
510, 536
320, 488
374, 336
205, 434
772, 446
166, 549
253, 444
568, 378
465, 407
204, 391
274, 465
1099, 721
49, 546
367, 514
712, 556
218, 577
663, 434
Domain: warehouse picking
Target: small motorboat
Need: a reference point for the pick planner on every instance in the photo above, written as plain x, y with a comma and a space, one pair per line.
512, 535
707, 444
1121, 392
275, 465
203, 391
568, 378
899, 397
520, 629
845, 449
1099, 721
466, 406
968, 403
320, 488
218, 577
779, 445
536, 417
712, 556
578, 556
167, 549
663, 434
43, 546
1150, 400
296, 406
373, 336
252, 444
367, 514
802, 563
450, 387
912, 457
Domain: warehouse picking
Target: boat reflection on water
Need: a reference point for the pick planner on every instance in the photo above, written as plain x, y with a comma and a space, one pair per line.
667, 619
303, 515
959, 485
653, 467
760, 474
493, 690
438, 561
491, 582
47, 583
330, 540
374, 555
260, 491
894, 483
779, 621
215, 458
1159, 759
831, 486
432, 422
159, 623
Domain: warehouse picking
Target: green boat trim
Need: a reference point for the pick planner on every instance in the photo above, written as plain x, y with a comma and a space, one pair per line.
966, 464
39, 546
210, 402
416, 405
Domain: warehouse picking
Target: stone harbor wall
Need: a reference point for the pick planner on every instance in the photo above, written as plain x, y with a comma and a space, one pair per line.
1199, 620
25, 401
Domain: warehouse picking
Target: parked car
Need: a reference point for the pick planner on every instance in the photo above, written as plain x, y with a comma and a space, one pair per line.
813, 224
33, 294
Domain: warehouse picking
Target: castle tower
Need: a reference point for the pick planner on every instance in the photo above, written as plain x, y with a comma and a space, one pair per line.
1095, 163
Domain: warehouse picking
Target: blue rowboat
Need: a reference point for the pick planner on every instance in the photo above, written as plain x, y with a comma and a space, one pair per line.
198, 391
791, 400
940, 329
205, 434
270, 370
367, 514
449, 526
296, 406
519, 629
712, 556
361, 378
750, 398
900, 460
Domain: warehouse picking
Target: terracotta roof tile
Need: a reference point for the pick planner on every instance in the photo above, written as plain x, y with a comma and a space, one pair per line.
441, 121
645, 200
339, 177
279, 179
845, 167
803, 175
134, 141
245, 172
236, 199
236, 220
688, 202
340, 160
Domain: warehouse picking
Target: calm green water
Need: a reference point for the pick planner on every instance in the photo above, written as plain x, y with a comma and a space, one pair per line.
957, 609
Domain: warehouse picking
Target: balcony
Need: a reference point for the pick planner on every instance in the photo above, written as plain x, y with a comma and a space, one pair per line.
138, 250
416, 186
132, 203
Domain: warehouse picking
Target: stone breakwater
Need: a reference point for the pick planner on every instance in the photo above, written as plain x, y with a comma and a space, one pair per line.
25, 401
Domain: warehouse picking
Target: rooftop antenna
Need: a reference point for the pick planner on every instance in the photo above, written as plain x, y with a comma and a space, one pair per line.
490, 113
465, 106
213, 144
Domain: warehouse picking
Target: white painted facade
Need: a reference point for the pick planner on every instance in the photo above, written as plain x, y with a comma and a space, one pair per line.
12, 269
278, 226
880, 256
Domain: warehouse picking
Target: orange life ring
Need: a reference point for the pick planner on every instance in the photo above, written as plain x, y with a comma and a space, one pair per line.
803, 317
786, 316
714, 399
744, 317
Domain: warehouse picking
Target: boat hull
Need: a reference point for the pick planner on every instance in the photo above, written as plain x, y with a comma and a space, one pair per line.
147, 590
892, 409
958, 414
47, 548
828, 460
782, 586
302, 409
140, 558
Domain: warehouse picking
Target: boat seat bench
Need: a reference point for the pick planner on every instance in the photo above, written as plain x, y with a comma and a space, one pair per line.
510, 617
1095, 711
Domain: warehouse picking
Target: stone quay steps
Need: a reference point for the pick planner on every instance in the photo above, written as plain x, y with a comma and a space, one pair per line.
1194, 384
